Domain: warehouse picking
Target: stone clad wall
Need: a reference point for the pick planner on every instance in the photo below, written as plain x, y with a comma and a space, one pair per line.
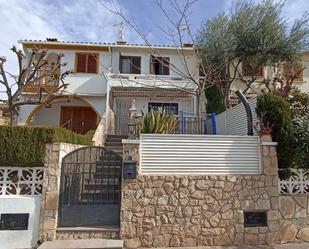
294, 216
51, 188
163, 211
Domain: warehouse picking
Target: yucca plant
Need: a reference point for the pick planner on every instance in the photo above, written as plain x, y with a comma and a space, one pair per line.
157, 122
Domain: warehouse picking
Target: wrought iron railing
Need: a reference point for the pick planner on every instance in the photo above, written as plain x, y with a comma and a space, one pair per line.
188, 124
46, 77
192, 124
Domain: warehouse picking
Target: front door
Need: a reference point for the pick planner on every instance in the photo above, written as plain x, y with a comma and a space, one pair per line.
79, 119
122, 116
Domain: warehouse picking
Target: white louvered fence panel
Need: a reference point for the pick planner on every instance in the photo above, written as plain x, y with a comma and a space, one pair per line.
199, 154
234, 120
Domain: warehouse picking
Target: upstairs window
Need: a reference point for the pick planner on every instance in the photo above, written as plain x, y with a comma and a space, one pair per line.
130, 64
87, 63
294, 70
249, 70
159, 65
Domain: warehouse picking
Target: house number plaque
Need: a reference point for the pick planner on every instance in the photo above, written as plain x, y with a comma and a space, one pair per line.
14, 221
255, 219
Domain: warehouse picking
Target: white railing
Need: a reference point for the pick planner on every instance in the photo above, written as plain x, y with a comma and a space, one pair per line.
159, 81
199, 154
21, 181
298, 183
234, 120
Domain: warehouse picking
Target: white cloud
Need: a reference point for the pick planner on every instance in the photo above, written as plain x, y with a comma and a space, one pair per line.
73, 20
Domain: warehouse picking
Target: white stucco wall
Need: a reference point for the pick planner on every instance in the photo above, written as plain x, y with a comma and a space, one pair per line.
24, 113
268, 73
51, 116
141, 103
145, 54
13, 239
84, 83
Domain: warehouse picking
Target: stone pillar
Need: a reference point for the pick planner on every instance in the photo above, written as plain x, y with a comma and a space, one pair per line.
269, 156
51, 188
131, 147
269, 164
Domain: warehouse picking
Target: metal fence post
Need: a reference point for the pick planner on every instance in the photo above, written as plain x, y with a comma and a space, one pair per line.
213, 123
205, 124
182, 123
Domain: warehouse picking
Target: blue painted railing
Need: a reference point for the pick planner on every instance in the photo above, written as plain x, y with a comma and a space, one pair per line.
189, 123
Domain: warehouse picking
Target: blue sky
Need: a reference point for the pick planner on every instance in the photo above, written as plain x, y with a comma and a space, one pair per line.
88, 20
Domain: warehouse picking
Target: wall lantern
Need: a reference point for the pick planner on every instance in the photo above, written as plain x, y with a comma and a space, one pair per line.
132, 124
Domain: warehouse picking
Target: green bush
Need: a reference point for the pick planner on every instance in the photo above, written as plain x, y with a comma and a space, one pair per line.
25, 146
215, 100
274, 112
299, 102
301, 135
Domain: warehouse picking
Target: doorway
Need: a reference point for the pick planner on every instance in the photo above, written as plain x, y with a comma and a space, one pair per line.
79, 119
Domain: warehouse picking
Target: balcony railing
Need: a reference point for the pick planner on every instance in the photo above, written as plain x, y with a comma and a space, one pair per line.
46, 78
187, 124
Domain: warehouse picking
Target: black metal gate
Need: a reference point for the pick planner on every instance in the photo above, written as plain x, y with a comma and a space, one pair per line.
90, 188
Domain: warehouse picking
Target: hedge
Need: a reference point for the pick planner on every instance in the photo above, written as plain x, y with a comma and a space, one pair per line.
276, 111
25, 146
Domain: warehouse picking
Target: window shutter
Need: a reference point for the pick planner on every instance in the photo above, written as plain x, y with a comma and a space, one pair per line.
92, 64
81, 63
152, 64
166, 68
136, 65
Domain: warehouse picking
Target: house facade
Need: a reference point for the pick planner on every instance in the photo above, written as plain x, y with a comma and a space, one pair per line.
106, 77
267, 72
104, 80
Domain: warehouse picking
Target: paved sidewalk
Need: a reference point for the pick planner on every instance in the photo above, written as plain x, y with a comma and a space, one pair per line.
283, 246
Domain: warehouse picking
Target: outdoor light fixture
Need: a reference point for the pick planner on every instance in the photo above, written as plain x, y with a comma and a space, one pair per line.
132, 124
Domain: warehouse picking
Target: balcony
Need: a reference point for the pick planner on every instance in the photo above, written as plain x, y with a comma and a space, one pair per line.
151, 81
46, 79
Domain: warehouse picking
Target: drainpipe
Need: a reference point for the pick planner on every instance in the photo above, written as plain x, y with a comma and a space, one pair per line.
245, 102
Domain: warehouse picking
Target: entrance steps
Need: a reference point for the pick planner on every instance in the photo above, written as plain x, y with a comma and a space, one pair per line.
83, 244
114, 142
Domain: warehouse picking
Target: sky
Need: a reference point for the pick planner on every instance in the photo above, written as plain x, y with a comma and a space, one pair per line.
89, 20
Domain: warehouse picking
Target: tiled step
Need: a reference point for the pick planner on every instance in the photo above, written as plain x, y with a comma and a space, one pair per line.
113, 143
98, 196
96, 187
106, 175
83, 244
114, 148
107, 162
110, 157
116, 136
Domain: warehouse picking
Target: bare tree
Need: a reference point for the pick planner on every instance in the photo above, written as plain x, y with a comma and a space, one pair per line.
36, 74
284, 78
178, 32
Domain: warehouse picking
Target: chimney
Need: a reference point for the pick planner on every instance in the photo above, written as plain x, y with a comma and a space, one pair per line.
187, 45
52, 39
121, 42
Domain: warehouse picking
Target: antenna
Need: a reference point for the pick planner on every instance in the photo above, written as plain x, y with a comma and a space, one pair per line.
120, 26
